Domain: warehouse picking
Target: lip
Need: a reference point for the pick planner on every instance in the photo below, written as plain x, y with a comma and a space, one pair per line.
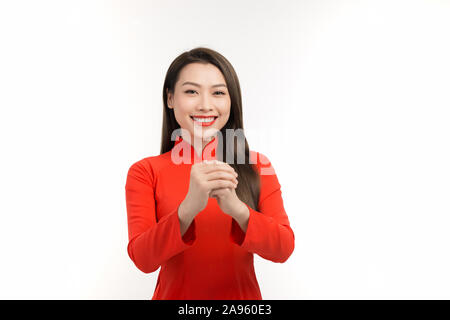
204, 124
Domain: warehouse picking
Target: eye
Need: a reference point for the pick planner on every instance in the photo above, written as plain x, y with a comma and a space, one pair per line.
220, 92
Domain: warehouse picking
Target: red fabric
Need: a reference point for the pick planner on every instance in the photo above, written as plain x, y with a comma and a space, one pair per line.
214, 258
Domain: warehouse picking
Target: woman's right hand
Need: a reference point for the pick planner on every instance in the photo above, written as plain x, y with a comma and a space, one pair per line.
205, 177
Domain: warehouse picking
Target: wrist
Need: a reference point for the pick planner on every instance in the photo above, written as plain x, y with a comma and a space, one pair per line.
185, 212
243, 217
243, 211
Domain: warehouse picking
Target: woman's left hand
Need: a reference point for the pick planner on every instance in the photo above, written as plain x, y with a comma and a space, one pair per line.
228, 201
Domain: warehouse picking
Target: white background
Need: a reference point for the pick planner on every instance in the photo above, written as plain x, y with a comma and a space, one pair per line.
348, 99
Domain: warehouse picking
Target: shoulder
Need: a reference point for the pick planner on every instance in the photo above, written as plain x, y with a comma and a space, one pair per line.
146, 168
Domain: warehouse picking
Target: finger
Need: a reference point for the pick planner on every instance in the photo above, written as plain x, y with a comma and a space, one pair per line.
216, 165
221, 175
220, 192
219, 184
217, 192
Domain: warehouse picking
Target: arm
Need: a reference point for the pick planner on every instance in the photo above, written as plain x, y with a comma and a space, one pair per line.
266, 232
152, 242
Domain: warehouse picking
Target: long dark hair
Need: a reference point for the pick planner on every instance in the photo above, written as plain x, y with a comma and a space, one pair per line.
248, 188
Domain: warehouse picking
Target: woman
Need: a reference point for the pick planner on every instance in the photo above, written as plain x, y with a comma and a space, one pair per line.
203, 207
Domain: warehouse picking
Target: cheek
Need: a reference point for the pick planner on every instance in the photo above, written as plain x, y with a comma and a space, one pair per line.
184, 105
225, 116
183, 120
182, 113
224, 120
225, 111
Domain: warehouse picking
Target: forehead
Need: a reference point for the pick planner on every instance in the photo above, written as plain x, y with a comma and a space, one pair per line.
203, 74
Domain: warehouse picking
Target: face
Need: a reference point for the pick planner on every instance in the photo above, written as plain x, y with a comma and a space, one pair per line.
200, 91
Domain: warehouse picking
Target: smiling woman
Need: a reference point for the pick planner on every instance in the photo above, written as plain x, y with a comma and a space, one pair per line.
202, 222
199, 103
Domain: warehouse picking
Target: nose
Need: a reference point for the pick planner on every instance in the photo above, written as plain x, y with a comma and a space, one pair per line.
205, 104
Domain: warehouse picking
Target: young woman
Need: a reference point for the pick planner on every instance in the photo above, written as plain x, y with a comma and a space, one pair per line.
197, 210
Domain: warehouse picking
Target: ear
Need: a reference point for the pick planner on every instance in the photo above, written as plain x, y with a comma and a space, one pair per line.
169, 99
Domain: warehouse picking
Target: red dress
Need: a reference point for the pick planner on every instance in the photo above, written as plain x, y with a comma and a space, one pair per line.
214, 258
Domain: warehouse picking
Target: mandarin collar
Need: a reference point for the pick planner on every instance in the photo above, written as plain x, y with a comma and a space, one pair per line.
183, 151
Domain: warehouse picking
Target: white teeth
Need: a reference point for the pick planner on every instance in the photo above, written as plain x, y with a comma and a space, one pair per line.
203, 119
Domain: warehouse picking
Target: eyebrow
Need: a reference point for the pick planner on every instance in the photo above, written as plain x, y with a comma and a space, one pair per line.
197, 85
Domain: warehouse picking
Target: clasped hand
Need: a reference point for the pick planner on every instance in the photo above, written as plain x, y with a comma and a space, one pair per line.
226, 197
214, 179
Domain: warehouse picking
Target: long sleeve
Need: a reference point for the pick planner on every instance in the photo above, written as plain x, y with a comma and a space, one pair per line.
151, 242
268, 231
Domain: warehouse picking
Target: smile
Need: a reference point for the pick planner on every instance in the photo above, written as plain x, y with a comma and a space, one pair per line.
204, 121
